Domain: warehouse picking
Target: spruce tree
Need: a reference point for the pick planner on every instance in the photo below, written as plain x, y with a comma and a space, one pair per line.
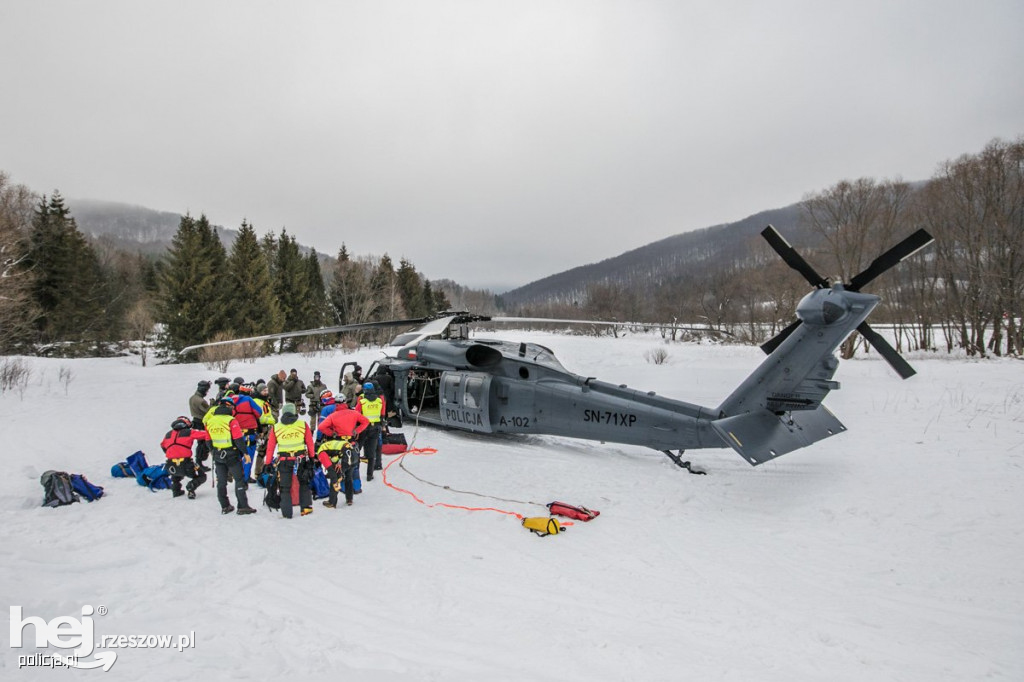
410, 288
68, 281
316, 302
291, 285
254, 309
193, 289
384, 286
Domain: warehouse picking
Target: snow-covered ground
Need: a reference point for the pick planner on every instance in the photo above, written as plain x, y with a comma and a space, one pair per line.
890, 552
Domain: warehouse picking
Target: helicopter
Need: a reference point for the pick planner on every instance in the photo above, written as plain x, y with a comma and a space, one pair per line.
440, 376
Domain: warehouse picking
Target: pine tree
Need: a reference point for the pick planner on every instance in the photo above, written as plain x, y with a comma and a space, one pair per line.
193, 291
254, 310
316, 302
291, 285
410, 288
68, 279
435, 301
384, 286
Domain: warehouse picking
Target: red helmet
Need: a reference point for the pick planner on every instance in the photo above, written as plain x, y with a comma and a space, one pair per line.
181, 423
326, 397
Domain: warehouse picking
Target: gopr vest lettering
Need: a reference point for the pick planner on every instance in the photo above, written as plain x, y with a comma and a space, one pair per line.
371, 409
219, 428
267, 417
291, 438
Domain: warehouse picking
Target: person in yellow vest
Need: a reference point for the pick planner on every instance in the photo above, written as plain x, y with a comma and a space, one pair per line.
266, 424
372, 406
292, 440
227, 445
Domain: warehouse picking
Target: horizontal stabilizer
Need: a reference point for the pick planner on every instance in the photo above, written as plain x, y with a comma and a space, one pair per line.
762, 435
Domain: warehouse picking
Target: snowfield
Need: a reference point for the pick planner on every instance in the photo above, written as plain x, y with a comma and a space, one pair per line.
891, 552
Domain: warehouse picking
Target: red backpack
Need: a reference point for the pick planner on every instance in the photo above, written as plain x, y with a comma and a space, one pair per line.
571, 511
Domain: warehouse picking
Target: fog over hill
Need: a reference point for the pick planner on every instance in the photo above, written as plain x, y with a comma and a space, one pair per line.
135, 228
654, 263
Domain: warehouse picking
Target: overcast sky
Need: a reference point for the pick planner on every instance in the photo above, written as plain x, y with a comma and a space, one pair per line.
495, 143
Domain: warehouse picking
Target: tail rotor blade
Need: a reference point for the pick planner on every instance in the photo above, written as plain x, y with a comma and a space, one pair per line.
792, 258
897, 362
776, 340
894, 256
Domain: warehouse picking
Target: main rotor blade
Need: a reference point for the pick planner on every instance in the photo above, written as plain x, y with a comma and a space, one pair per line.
901, 366
792, 258
776, 340
308, 332
642, 325
902, 251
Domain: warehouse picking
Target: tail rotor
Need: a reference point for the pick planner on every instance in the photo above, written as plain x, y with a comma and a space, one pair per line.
894, 256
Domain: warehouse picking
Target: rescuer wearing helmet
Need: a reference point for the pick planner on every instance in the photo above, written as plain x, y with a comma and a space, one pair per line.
372, 406
338, 451
177, 445
228, 446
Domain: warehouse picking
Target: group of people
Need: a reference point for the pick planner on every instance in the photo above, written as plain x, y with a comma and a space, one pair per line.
254, 430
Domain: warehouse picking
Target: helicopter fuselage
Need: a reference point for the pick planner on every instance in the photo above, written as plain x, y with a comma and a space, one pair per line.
491, 386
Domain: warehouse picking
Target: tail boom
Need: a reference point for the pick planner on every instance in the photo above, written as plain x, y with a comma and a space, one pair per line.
777, 409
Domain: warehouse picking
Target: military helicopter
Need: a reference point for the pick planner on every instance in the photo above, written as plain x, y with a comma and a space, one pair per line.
441, 376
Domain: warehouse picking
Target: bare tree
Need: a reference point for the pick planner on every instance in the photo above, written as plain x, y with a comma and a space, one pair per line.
858, 220
975, 208
139, 323
17, 307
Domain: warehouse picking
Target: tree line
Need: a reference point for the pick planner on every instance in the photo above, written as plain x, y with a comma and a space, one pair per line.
966, 291
61, 293
64, 294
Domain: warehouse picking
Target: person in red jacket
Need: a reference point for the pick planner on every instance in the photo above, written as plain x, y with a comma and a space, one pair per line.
292, 439
177, 445
338, 452
248, 414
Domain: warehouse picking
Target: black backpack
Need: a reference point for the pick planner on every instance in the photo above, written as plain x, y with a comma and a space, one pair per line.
57, 489
272, 492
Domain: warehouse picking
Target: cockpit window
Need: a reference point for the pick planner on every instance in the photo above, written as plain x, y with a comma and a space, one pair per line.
403, 339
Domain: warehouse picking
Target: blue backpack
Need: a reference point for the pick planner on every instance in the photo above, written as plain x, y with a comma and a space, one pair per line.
153, 477
85, 489
121, 470
319, 484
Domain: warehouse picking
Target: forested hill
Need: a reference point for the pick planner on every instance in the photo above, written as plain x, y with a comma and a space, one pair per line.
651, 265
134, 228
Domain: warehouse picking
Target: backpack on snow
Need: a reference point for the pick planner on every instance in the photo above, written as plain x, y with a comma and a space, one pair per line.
155, 478
571, 511
85, 489
136, 464
271, 491
57, 489
394, 444
319, 485
121, 470
543, 525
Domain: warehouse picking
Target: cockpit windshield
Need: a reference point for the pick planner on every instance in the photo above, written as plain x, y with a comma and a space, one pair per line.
403, 339
543, 356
